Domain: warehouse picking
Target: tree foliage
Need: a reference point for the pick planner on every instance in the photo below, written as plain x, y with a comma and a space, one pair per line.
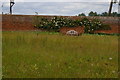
82, 14
93, 13
113, 14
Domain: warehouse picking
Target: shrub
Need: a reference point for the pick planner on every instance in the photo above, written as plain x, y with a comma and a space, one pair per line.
55, 23
92, 25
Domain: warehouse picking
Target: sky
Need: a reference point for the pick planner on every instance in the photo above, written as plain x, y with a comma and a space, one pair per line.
58, 0
58, 7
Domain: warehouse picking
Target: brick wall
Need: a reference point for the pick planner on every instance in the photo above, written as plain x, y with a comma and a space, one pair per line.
25, 22
17, 22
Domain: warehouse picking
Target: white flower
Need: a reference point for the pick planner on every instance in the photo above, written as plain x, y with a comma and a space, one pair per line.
56, 24
110, 58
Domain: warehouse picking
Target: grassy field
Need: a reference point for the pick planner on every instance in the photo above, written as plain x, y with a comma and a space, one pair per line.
52, 55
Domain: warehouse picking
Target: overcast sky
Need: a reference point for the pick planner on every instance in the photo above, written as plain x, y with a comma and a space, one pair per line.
57, 0
58, 7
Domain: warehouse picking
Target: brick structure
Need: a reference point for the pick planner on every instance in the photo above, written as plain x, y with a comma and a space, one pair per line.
25, 22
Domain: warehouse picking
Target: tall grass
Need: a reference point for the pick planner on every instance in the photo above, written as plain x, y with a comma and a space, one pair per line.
52, 55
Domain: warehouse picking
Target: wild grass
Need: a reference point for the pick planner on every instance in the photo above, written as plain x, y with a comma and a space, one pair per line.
52, 55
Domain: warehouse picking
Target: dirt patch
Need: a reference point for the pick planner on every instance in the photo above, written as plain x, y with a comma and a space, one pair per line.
9, 26
114, 29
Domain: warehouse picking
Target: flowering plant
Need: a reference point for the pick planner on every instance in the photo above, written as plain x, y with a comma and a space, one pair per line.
55, 23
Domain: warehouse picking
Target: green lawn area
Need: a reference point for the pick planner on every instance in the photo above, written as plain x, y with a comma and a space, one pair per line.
52, 55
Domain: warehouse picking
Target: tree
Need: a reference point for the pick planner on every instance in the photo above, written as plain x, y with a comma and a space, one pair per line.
114, 14
93, 13
104, 14
118, 15
82, 14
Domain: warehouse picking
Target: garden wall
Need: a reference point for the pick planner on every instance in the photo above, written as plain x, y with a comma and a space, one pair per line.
17, 22
25, 22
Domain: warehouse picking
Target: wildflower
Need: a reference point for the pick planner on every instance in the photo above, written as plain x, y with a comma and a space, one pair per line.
56, 24
110, 58
35, 67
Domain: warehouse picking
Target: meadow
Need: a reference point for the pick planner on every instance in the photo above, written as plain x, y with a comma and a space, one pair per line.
53, 55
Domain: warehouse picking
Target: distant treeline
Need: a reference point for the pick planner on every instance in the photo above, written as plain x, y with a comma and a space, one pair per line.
113, 14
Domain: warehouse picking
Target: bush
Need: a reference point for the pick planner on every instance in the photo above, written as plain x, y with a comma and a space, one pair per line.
92, 25
55, 23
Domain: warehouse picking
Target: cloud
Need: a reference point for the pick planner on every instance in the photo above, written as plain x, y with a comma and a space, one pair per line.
59, 0
59, 8
0, 8
15, 0
6, 4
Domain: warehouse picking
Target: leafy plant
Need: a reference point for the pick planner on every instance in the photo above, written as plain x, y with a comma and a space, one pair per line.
55, 23
92, 25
